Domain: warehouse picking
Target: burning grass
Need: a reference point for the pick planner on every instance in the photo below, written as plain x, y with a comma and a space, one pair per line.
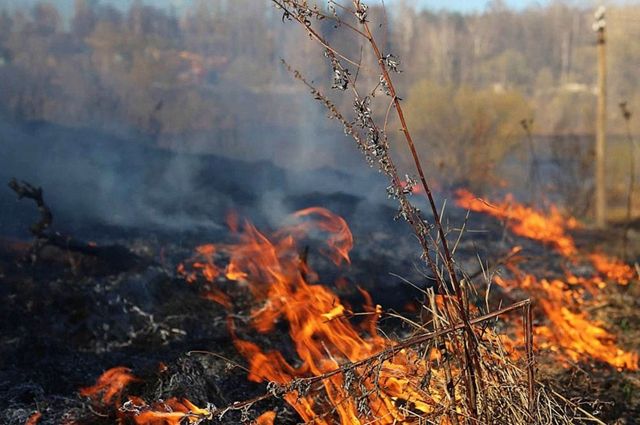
344, 371
109, 386
563, 300
550, 228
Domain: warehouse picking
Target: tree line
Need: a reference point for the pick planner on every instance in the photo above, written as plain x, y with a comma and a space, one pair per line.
212, 74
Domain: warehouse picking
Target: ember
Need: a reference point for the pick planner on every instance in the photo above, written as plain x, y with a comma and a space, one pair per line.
34, 418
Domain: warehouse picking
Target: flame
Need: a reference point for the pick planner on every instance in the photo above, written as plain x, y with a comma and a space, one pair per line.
569, 331
284, 289
548, 228
202, 264
109, 388
170, 412
266, 418
612, 268
336, 312
340, 239
109, 385
33, 419
323, 337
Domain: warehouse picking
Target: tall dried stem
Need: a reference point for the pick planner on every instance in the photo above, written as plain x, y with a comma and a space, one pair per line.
375, 146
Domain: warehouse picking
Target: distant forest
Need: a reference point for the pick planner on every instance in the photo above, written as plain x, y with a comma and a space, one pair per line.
200, 76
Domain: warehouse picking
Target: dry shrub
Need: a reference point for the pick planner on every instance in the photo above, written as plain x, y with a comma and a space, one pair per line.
463, 132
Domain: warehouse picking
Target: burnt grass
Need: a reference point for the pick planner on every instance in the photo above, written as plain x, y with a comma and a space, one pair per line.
61, 330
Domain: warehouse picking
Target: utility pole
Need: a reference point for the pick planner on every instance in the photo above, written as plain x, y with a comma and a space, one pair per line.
599, 26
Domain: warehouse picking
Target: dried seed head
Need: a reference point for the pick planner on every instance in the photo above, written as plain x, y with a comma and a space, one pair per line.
349, 378
384, 86
361, 12
362, 110
410, 183
392, 62
340, 74
363, 406
244, 413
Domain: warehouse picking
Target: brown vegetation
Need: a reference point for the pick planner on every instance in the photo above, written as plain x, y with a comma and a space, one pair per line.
215, 67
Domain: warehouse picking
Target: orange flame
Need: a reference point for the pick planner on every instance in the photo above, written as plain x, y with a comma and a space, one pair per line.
202, 264
548, 228
108, 390
340, 238
323, 337
266, 418
612, 268
170, 412
34, 418
109, 385
568, 332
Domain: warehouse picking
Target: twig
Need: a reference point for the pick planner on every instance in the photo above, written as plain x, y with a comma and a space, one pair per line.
588, 415
528, 329
26, 190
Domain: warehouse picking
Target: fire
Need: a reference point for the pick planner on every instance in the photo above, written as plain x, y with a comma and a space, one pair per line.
170, 412
34, 418
340, 239
569, 331
548, 228
612, 268
327, 344
108, 390
323, 337
206, 266
266, 418
202, 264
109, 385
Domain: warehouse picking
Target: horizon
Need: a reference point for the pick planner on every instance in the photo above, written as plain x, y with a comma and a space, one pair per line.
459, 6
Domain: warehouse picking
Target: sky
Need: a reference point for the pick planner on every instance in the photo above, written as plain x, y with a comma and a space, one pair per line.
472, 5
454, 5
451, 5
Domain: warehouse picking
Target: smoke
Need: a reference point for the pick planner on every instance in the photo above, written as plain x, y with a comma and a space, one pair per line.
92, 178
172, 138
